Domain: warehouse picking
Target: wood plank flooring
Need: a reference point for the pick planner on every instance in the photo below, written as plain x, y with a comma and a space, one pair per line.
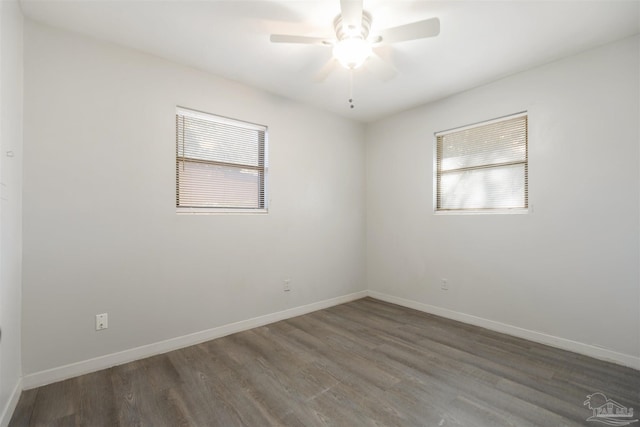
364, 363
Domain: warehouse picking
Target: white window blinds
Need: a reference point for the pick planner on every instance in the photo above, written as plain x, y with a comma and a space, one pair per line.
220, 162
483, 167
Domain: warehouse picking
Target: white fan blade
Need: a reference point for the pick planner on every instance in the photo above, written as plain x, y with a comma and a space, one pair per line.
284, 38
351, 11
326, 69
380, 68
413, 31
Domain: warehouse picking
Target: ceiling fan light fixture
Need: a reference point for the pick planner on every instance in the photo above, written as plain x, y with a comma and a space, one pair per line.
351, 52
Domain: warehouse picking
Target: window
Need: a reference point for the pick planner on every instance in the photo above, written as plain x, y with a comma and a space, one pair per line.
221, 164
483, 167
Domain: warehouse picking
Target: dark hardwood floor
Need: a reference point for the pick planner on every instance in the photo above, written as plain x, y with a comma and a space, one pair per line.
365, 363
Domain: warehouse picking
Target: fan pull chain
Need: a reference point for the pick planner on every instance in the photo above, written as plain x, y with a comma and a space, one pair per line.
351, 88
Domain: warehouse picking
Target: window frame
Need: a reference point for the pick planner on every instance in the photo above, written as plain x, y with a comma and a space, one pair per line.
189, 210
483, 211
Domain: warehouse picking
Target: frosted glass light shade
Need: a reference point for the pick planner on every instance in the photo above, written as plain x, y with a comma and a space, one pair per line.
352, 52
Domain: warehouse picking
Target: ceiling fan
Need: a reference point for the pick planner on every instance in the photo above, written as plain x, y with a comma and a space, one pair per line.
353, 44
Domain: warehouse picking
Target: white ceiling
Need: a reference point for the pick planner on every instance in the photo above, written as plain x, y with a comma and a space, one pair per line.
479, 42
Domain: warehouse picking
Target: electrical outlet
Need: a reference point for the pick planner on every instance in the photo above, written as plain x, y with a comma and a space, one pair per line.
102, 321
286, 285
444, 284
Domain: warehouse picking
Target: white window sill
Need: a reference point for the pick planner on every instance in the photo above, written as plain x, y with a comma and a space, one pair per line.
484, 212
219, 211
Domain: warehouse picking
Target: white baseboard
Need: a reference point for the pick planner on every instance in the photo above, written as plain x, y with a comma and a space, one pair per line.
10, 407
49, 376
539, 337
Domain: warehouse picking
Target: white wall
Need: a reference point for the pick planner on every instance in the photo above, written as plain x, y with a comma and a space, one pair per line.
566, 273
11, 68
100, 229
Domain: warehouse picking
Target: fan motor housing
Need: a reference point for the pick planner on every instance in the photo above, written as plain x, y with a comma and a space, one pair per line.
342, 33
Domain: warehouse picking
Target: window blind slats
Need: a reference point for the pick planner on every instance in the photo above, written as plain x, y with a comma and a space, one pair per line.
483, 167
219, 164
